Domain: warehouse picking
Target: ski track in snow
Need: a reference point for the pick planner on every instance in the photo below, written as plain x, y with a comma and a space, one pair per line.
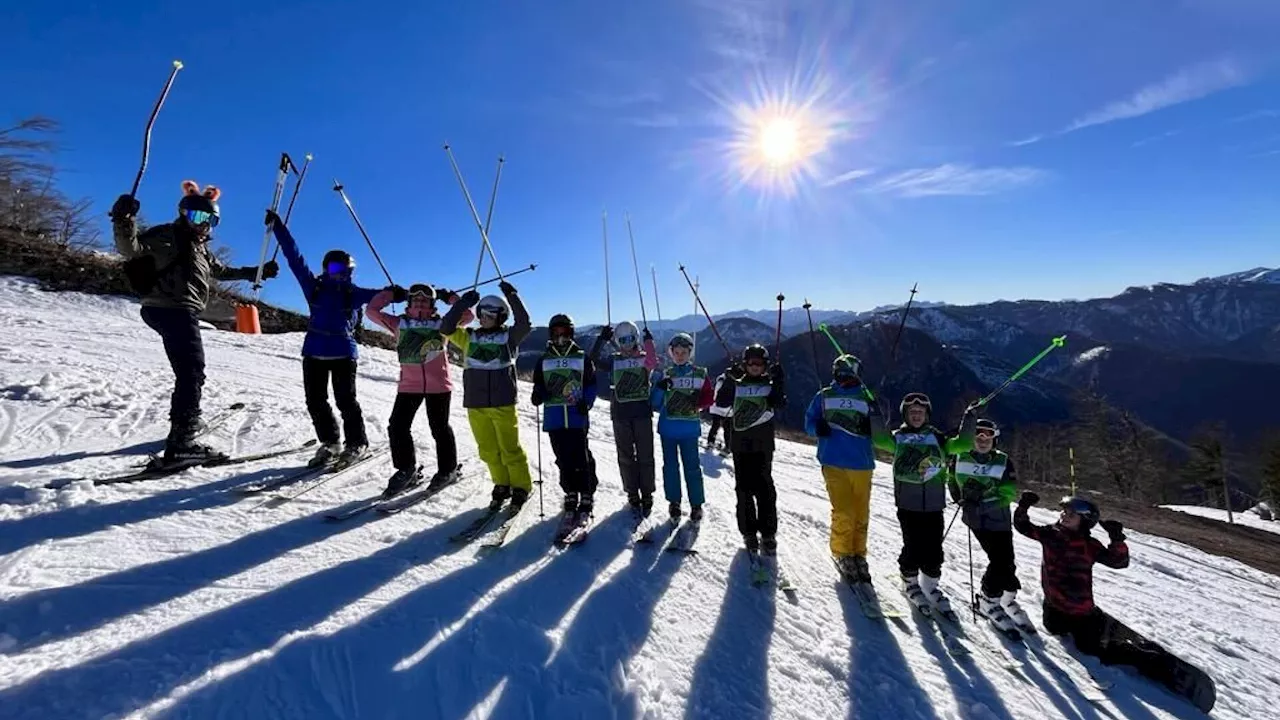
172, 598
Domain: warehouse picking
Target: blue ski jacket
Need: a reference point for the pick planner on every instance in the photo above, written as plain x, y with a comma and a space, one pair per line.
841, 448
336, 306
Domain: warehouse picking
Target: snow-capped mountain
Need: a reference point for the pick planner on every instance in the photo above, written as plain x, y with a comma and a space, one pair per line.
1269, 276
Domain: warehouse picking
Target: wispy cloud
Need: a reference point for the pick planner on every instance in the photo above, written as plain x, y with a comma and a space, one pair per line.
847, 177
1026, 140
952, 179
1189, 83
1156, 138
1256, 115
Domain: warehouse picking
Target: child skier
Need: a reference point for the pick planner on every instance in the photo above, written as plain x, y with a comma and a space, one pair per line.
919, 490
424, 379
329, 348
720, 417
680, 393
755, 396
630, 411
565, 381
845, 418
489, 387
171, 268
984, 484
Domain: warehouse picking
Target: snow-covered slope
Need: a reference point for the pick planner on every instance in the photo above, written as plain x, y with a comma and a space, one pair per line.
1242, 518
177, 599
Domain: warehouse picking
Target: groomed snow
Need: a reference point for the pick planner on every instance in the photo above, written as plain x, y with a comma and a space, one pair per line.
1240, 518
175, 599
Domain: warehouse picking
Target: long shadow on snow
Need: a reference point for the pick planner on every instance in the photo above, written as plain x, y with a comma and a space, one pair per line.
965, 686
1065, 695
731, 677
881, 683
1132, 693
371, 669
44, 616
84, 519
147, 669
142, 448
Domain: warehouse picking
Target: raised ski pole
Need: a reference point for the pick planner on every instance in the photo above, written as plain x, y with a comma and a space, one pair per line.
338, 188
827, 331
288, 211
1071, 457
500, 277
282, 174
1053, 344
636, 266
702, 305
484, 234
813, 340
146, 136
777, 338
608, 302
893, 350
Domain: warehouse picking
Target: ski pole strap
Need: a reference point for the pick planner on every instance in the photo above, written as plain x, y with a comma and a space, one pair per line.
827, 332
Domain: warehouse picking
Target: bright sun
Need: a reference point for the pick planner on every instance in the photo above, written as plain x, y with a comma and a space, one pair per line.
779, 141
776, 144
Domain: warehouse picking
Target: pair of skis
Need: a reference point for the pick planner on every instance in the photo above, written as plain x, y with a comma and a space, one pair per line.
406, 498
766, 571
482, 526
573, 529
321, 475
155, 472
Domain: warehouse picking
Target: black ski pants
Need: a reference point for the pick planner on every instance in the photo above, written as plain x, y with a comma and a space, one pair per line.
634, 437
316, 376
921, 543
1097, 633
718, 423
573, 457
1002, 572
179, 330
400, 430
757, 498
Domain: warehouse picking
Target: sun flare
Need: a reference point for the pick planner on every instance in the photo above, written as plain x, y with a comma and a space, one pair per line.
776, 144
779, 142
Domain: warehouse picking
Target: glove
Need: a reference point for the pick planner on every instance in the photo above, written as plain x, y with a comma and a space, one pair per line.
398, 294
648, 335
449, 296
971, 494
823, 428
606, 333
125, 206
536, 397
1114, 528
736, 369
270, 269
1029, 498
583, 408
272, 218
470, 298
775, 370
506, 287
664, 384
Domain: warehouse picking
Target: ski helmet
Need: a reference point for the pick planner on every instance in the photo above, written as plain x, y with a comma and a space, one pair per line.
846, 368
338, 262
987, 426
561, 326
422, 290
915, 398
755, 351
682, 340
626, 335
199, 208
493, 306
1087, 511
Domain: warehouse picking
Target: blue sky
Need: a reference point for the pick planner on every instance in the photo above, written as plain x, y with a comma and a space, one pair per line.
986, 150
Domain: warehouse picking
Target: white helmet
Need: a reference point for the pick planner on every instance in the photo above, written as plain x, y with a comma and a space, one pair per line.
684, 340
626, 335
494, 306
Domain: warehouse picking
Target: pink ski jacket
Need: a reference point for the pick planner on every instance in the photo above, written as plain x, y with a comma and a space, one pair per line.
424, 360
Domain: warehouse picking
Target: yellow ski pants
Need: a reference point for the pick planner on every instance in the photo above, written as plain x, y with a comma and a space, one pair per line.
497, 433
850, 493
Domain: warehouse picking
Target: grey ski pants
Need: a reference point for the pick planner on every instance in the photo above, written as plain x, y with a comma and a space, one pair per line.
634, 437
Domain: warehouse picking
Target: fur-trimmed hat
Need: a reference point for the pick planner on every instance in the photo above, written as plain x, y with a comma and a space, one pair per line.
194, 199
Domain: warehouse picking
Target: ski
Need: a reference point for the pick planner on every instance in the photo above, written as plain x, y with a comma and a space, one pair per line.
685, 538
644, 530
496, 538
153, 473
575, 526
767, 571
477, 527
873, 606
328, 473
405, 499
289, 478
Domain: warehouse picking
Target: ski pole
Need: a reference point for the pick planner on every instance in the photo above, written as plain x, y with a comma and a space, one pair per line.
340, 189
288, 211
893, 351
146, 136
972, 596
954, 515
608, 303
488, 217
635, 266
1055, 343
702, 305
537, 409
827, 331
484, 234
501, 277
777, 338
1071, 456
656, 301
282, 174
813, 340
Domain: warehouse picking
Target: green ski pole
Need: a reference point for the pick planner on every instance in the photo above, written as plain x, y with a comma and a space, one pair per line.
1057, 342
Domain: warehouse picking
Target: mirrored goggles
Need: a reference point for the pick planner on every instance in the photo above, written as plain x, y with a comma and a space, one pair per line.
201, 217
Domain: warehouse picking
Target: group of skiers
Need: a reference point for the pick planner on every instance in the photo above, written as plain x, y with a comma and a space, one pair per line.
172, 269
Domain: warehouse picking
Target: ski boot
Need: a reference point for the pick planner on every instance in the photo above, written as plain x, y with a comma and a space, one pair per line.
769, 545
1009, 601
992, 610
864, 571
751, 543
445, 477
911, 588
646, 506
402, 480
352, 453
674, 508
695, 515
326, 454
929, 588
189, 452
853, 568
586, 507
570, 503
500, 495
633, 503
519, 496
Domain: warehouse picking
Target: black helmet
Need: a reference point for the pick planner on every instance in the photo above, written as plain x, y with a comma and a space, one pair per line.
915, 398
755, 351
988, 426
846, 368
338, 262
560, 321
1088, 512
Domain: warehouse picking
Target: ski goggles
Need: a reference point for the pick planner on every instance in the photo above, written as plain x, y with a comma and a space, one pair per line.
201, 217
561, 332
489, 311
625, 340
422, 291
337, 268
916, 400
985, 432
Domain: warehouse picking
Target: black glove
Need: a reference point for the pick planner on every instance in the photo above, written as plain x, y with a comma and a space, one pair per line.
664, 384
1114, 528
506, 287
1029, 498
583, 408
449, 296
272, 218
536, 397
648, 335
470, 298
776, 371
125, 206
606, 333
270, 269
736, 369
823, 428
398, 294
971, 494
